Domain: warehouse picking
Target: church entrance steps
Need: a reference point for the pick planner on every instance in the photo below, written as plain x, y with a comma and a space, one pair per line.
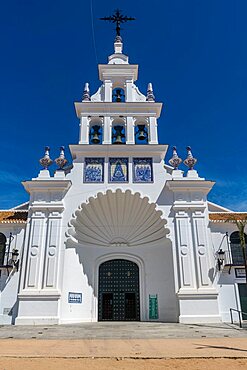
122, 330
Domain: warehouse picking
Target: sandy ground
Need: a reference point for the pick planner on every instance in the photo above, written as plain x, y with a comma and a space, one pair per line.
121, 364
124, 354
126, 348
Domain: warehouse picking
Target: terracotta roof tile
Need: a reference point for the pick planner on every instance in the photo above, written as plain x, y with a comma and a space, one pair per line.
228, 216
21, 216
13, 217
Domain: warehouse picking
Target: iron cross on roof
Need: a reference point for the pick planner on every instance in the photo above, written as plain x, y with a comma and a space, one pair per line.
118, 18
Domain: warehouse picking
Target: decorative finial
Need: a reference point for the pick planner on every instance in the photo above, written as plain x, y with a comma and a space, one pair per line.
46, 161
117, 18
61, 160
190, 161
118, 39
150, 93
86, 93
175, 161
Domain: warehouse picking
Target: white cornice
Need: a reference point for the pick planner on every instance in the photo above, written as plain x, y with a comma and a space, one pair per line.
190, 185
112, 71
195, 294
105, 150
47, 185
148, 109
38, 294
184, 206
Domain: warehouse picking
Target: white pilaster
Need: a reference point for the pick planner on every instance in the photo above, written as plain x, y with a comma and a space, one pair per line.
129, 90
130, 131
107, 130
108, 90
84, 130
185, 251
153, 133
197, 296
35, 254
39, 291
201, 247
51, 258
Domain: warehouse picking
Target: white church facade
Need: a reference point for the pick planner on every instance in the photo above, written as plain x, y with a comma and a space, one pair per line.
119, 235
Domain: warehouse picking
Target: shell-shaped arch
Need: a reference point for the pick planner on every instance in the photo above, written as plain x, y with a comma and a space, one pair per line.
118, 219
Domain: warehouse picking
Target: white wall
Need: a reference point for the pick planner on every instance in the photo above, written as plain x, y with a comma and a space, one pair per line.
81, 275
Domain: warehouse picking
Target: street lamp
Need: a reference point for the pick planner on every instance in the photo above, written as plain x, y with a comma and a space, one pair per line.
220, 258
15, 260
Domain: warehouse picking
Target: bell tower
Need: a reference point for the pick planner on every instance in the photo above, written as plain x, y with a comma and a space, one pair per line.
118, 113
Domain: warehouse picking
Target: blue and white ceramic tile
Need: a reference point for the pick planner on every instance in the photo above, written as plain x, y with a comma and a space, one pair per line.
143, 170
94, 170
118, 169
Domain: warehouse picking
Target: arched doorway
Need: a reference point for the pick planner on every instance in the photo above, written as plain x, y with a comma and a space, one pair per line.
119, 296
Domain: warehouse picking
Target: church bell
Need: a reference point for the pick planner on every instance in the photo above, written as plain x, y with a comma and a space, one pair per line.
142, 135
95, 134
118, 135
118, 96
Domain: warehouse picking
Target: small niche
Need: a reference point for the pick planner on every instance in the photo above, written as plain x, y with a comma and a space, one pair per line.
141, 133
118, 95
118, 134
95, 134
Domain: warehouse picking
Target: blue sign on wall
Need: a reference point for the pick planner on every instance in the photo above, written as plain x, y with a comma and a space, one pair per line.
75, 297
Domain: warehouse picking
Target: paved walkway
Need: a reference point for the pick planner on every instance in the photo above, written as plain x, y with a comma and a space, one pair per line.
123, 330
124, 340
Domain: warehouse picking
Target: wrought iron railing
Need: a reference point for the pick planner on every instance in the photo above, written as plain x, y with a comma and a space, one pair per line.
240, 317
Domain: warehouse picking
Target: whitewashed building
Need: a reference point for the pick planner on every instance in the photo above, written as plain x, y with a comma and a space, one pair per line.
119, 234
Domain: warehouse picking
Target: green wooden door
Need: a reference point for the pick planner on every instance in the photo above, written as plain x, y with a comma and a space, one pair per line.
242, 288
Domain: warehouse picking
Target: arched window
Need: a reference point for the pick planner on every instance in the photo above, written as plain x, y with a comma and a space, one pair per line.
2, 248
141, 133
118, 95
95, 134
236, 250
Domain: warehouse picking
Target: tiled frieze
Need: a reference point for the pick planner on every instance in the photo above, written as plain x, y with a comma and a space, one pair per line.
118, 170
94, 170
142, 170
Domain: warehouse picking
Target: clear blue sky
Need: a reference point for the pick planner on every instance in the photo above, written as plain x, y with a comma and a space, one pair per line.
193, 51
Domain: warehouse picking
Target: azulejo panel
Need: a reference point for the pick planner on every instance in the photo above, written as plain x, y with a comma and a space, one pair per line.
142, 170
118, 169
94, 170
